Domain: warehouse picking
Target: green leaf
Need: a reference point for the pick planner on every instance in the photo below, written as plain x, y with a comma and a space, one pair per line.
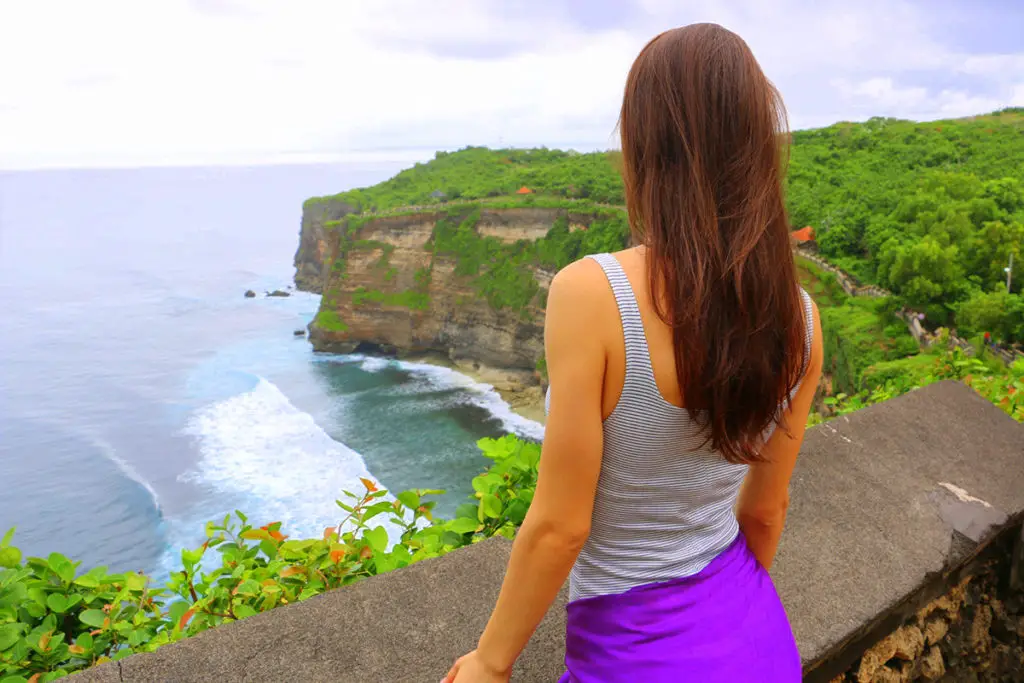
243, 611
9, 635
190, 557
93, 617
377, 538
463, 525
6, 540
176, 611
14, 679
481, 484
10, 557
86, 581
491, 505
84, 641
134, 582
57, 602
34, 610
467, 510
409, 499
385, 563
62, 567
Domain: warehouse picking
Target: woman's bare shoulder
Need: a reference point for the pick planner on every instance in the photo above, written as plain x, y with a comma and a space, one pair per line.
582, 287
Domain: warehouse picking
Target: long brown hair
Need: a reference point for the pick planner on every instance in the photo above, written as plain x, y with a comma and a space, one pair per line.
703, 157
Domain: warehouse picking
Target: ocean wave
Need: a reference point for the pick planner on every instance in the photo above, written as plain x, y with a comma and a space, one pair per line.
110, 453
480, 394
260, 451
374, 364
437, 378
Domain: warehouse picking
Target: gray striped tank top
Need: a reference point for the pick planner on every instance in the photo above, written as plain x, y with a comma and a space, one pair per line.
662, 510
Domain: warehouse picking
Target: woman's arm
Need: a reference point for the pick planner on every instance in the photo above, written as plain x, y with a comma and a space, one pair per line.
558, 523
764, 497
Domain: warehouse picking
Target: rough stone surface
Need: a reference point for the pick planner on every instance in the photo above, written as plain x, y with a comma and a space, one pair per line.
391, 254
868, 487
865, 533
935, 630
932, 666
311, 255
977, 644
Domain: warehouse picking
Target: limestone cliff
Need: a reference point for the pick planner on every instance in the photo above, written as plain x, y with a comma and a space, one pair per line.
467, 282
313, 242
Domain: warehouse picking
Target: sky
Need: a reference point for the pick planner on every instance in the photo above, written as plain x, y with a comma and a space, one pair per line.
109, 83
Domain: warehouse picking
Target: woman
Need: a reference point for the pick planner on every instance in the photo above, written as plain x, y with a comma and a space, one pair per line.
681, 372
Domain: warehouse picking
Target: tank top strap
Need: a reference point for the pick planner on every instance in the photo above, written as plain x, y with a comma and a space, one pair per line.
639, 370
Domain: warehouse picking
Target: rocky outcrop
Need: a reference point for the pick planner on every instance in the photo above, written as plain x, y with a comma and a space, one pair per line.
311, 254
430, 282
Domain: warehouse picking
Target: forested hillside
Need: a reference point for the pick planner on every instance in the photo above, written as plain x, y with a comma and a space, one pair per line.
931, 210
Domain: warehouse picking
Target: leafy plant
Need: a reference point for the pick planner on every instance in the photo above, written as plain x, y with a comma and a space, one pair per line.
55, 620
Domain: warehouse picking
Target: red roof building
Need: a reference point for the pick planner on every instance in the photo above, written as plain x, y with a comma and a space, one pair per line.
803, 235
524, 190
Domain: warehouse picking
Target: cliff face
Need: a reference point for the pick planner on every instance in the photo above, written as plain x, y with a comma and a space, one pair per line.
313, 242
452, 281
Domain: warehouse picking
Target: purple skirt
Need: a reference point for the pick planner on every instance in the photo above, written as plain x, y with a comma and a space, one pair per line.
723, 624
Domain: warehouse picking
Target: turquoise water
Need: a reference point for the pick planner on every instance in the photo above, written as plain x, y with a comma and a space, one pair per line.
141, 394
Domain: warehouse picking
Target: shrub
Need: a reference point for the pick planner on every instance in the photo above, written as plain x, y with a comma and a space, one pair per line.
55, 620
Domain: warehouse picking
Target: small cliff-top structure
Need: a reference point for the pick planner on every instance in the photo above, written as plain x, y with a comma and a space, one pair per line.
902, 560
803, 238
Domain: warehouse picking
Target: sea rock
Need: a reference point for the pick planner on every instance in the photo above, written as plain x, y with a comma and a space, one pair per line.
249, 294
279, 293
299, 333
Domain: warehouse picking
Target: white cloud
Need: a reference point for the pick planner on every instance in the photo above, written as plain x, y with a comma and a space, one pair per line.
125, 82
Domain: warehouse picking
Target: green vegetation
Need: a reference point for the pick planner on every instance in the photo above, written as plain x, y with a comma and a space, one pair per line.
410, 298
931, 211
479, 173
327, 319
502, 273
1003, 386
858, 332
55, 619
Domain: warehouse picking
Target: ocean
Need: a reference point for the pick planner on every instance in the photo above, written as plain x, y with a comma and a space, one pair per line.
141, 394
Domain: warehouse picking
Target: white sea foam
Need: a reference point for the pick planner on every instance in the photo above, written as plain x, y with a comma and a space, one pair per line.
126, 469
373, 364
438, 378
260, 448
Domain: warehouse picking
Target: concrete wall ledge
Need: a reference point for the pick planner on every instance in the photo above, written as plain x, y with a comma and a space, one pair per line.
891, 506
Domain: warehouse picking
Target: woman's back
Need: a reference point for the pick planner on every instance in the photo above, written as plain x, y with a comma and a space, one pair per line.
664, 505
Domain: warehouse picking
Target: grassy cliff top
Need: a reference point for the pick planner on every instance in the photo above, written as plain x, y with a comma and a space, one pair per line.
843, 156
480, 173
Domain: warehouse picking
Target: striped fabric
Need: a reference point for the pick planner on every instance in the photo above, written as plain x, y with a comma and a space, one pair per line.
662, 510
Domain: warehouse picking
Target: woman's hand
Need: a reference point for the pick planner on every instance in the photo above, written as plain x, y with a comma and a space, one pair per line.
472, 669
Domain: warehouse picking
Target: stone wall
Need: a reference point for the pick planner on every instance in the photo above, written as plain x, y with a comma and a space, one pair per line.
849, 283
972, 633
